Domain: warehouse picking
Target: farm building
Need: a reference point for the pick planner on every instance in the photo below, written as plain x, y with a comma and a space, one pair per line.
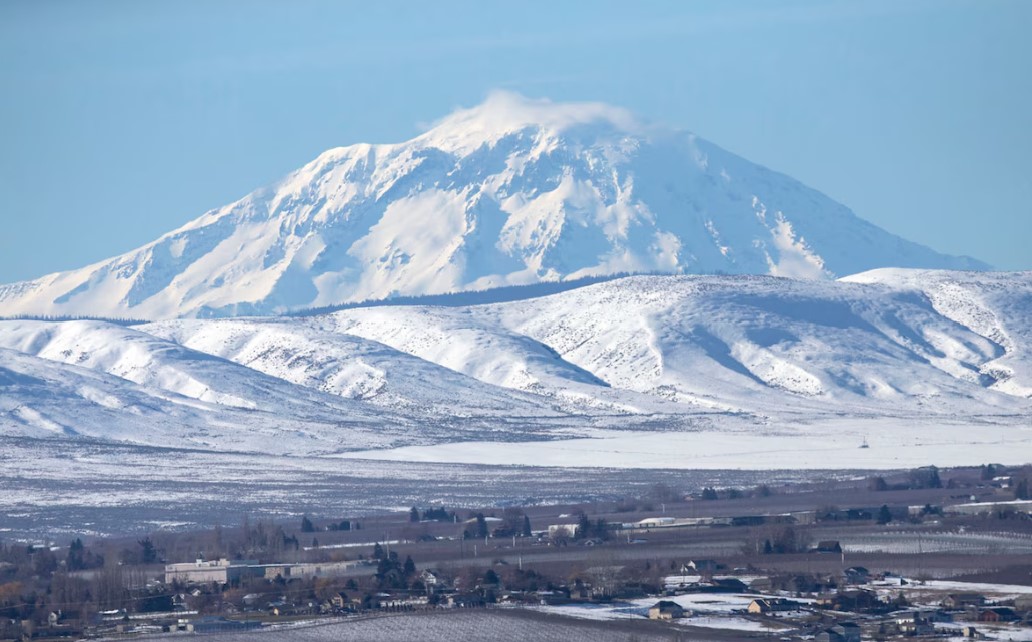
666, 610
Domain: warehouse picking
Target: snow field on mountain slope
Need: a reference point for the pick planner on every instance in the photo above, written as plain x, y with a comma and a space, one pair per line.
43, 398
155, 363
739, 342
348, 366
997, 306
514, 191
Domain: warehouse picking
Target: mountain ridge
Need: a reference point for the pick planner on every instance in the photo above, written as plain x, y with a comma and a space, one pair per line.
892, 351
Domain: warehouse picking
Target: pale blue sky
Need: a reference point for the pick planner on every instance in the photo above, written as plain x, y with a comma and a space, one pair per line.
122, 120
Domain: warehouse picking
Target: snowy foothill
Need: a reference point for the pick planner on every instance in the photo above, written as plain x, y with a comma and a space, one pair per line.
703, 372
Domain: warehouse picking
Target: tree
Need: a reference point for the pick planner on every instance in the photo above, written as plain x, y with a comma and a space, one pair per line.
413, 514
583, 527
410, 566
378, 553
526, 526
481, 531
601, 529
512, 522
925, 477
44, 562
1021, 489
148, 554
877, 484
438, 514
884, 514
306, 525
988, 472
709, 493
76, 556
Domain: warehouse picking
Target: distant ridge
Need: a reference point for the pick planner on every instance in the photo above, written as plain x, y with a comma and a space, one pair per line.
471, 297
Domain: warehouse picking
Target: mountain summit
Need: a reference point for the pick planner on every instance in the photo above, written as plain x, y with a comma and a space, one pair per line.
513, 191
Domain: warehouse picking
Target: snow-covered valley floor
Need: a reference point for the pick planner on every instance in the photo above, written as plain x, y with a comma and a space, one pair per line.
55, 487
830, 445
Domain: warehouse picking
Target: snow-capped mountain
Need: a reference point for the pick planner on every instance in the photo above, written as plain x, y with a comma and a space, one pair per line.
513, 191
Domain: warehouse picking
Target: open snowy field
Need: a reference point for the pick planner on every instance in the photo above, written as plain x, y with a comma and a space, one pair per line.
56, 487
500, 625
829, 445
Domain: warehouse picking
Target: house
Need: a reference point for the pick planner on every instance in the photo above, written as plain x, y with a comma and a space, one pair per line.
914, 623
580, 591
666, 610
429, 579
856, 600
828, 546
857, 575
761, 585
841, 632
963, 600
339, 600
998, 614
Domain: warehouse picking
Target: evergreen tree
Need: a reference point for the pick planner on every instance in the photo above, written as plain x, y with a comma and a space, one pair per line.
884, 514
148, 554
413, 514
76, 556
1021, 489
410, 566
601, 529
526, 526
306, 525
583, 527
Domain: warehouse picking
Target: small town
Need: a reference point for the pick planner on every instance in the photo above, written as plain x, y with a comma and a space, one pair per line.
929, 553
